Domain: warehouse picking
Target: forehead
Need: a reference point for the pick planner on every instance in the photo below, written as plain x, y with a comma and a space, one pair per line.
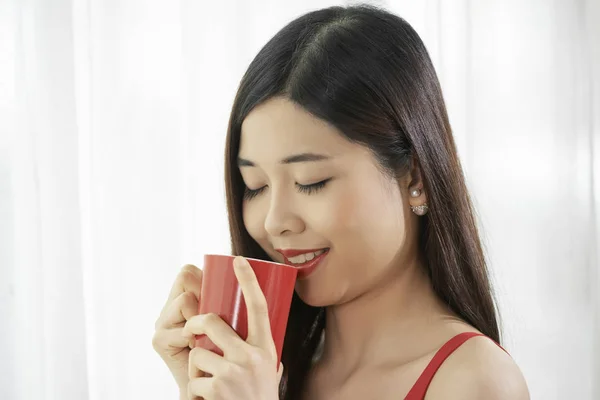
280, 127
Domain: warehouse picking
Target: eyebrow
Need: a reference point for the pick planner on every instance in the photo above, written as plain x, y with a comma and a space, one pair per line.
297, 158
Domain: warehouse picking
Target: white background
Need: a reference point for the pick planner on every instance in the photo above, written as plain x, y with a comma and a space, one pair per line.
112, 125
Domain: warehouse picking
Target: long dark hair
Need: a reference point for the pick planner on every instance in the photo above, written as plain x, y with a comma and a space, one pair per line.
367, 72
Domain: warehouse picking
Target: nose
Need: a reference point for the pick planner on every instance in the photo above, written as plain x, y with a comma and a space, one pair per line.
282, 218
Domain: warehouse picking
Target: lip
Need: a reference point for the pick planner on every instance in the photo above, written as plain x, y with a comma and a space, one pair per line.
296, 252
304, 270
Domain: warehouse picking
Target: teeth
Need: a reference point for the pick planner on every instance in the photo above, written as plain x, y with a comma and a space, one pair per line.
302, 258
298, 259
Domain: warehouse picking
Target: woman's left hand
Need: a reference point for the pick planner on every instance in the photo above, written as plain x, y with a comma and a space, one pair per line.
248, 369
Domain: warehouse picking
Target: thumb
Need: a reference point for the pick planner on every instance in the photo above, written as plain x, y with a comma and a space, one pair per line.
280, 372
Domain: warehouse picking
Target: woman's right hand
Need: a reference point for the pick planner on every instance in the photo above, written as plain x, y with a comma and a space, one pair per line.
168, 340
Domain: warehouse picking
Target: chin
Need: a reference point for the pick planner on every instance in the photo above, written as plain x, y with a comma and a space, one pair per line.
312, 296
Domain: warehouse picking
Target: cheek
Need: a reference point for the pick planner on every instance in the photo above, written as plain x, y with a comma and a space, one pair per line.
254, 220
362, 211
367, 226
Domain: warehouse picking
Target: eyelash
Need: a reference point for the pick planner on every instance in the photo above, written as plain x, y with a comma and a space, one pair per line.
249, 194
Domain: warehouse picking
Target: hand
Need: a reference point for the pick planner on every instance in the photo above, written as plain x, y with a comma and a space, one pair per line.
248, 369
168, 340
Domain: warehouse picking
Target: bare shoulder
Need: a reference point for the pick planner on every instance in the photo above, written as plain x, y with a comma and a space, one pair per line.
479, 369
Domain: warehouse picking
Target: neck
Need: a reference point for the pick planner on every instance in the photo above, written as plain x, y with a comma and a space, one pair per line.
397, 314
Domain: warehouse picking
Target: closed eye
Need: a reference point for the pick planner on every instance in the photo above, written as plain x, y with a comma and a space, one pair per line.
313, 188
249, 194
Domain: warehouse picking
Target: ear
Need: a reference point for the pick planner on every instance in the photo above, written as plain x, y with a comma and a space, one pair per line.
414, 180
414, 175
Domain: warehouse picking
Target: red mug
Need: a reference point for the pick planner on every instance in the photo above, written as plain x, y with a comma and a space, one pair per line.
221, 294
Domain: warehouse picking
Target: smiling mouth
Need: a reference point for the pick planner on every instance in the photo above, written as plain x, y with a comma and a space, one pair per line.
304, 259
300, 258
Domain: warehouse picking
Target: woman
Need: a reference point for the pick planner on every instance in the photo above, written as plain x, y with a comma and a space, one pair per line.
339, 147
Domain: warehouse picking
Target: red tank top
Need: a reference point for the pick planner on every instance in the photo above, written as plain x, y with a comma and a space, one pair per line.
419, 389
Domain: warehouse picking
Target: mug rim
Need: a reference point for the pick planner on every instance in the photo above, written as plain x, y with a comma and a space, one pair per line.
253, 259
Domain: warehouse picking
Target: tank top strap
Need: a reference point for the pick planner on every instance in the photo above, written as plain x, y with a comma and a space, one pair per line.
419, 389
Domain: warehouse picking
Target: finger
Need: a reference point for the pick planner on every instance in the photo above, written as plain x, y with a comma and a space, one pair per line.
184, 307
218, 331
171, 339
189, 279
204, 361
259, 327
280, 372
201, 388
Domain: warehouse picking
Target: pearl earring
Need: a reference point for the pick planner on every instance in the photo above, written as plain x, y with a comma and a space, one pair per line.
419, 210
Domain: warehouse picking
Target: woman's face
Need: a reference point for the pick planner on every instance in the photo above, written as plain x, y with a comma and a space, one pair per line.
334, 197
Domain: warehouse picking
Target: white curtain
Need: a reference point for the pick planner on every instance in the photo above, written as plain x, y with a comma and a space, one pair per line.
112, 124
